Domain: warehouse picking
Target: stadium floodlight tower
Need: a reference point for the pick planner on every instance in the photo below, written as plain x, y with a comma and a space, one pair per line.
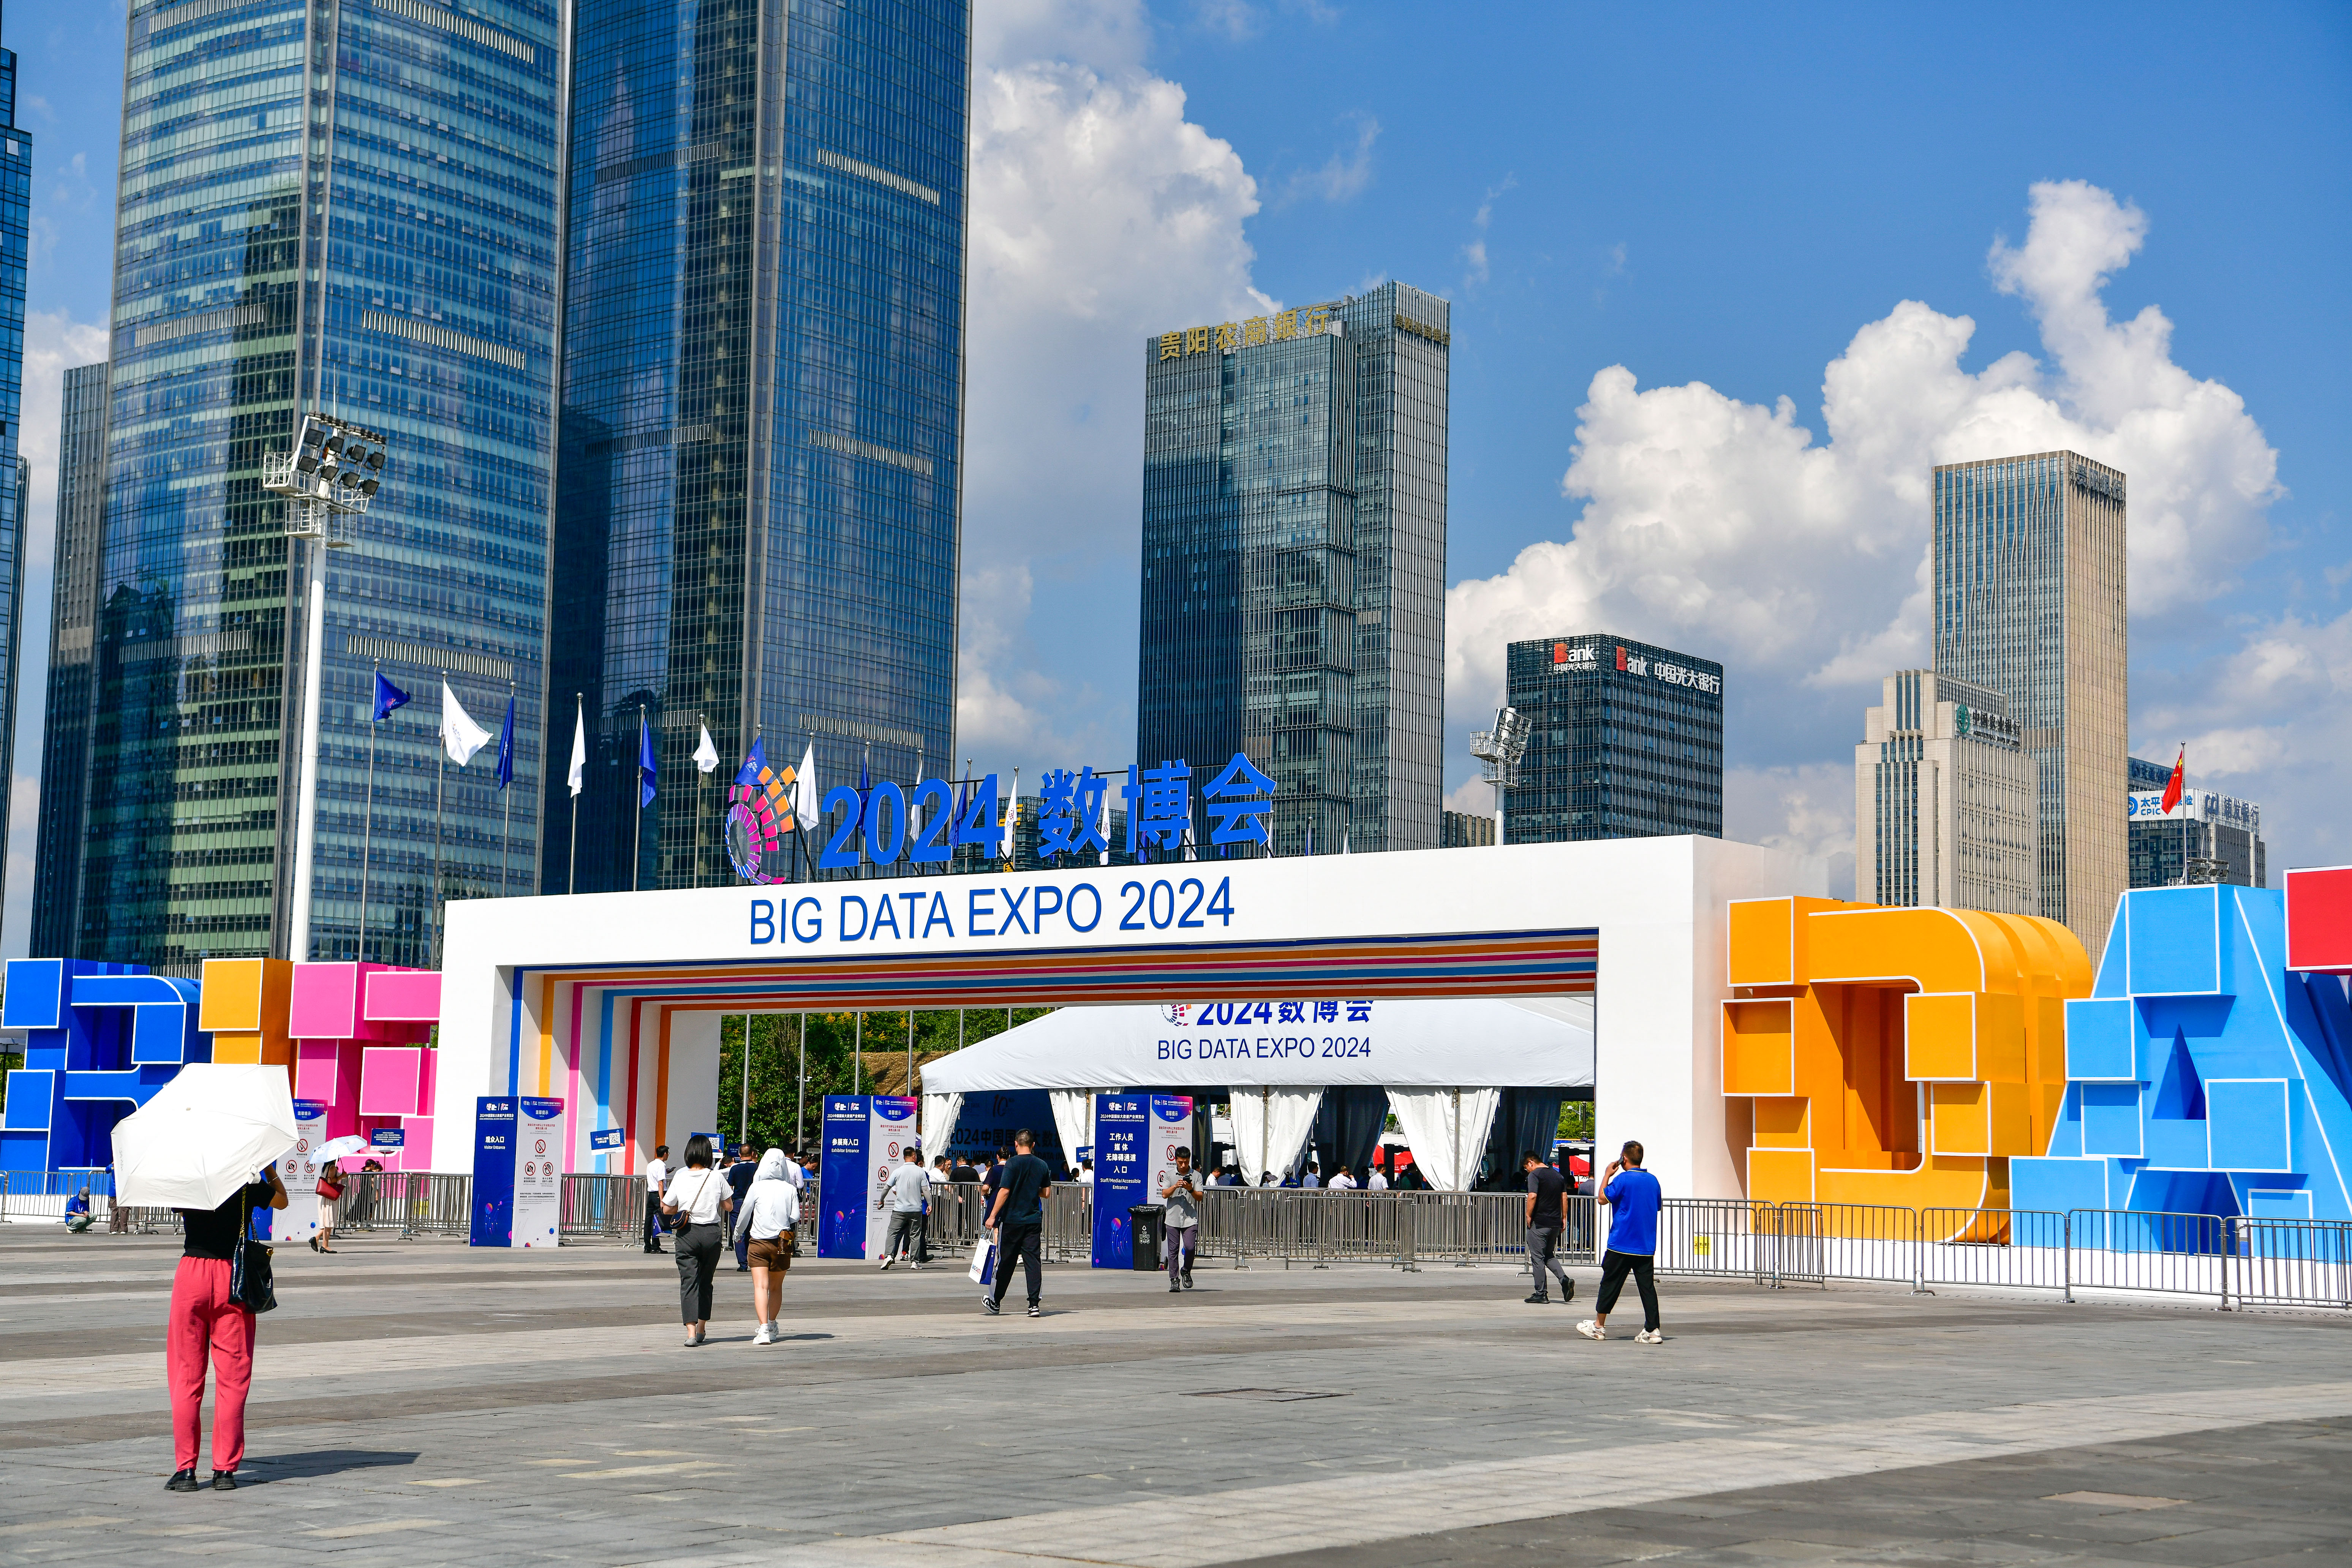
1498, 751
328, 479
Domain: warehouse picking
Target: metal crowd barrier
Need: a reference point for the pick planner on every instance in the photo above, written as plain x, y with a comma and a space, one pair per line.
1069, 1233
1720, 1238
2291, 1263
2011, 1249
1816, 1243
2164, 1253
603, 1208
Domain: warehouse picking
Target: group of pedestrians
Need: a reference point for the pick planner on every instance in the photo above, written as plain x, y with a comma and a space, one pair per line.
753, 1205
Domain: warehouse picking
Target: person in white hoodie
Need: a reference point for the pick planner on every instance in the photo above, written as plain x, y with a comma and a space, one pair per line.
771, 1215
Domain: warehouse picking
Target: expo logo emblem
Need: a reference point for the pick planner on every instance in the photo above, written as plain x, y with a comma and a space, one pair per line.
1177, 1012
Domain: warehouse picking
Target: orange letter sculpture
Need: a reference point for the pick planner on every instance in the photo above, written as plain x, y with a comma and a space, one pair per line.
1896, 1056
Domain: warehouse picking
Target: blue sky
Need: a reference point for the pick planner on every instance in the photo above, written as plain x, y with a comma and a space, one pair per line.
1714, 195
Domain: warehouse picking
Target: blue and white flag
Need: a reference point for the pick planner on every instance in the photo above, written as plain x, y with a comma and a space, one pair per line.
647, 770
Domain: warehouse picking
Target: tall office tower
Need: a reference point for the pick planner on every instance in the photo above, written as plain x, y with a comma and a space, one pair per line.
344, 209
72, 709
1294, 562
2204, 825
1944, 800
15, 203
2029, 602
761, 469
1624, 740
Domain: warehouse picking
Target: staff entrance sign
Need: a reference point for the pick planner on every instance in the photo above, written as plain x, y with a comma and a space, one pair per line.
1135, 1139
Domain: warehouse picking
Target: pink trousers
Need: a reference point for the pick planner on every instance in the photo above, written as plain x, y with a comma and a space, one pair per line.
206, 1325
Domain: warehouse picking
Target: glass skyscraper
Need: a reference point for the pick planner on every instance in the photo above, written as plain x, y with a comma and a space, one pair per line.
15, 203
72, 711
348, 209
1624, 740
1294, 562
2030, 602
759, 473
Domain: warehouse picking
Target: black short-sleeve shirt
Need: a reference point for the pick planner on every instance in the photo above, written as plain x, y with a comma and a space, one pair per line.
1546, 1183
1024, 1181
212, 1232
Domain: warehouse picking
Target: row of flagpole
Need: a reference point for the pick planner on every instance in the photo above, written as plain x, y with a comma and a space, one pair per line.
460, 738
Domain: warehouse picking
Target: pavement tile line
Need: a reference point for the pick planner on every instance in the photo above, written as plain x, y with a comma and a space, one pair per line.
1354, 1511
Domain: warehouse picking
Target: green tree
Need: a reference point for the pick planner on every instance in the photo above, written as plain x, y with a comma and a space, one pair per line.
779, 1111
1576, 1119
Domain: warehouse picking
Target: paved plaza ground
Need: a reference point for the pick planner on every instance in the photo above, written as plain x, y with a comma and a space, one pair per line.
422, 1402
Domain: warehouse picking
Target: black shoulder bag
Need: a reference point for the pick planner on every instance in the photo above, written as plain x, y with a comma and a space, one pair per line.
249, 1274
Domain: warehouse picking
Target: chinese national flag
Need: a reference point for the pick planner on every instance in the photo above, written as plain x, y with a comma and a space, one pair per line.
2173, 785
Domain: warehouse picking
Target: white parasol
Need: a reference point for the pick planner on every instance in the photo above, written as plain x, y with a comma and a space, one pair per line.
336, 1148
203, 1136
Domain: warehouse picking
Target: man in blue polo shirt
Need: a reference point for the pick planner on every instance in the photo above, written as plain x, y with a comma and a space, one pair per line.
1633, 1198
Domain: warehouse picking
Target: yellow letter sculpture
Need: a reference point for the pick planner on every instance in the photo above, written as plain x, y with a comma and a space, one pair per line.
1896, 1056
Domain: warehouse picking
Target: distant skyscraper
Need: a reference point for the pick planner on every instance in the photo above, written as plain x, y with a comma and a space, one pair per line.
1944, 800
1625, 741
1467, 830
72, 712
2029, 602
350, 210
16, 202
1294, 562
2219, 830
761, 469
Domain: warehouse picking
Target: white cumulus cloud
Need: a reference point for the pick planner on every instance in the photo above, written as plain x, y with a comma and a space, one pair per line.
1728, 529
1100, 214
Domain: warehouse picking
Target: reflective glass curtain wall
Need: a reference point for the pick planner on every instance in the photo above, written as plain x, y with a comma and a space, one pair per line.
347, 206
760, 466
2029, 601
73, 619
1294, 560
1625, 741
15, 200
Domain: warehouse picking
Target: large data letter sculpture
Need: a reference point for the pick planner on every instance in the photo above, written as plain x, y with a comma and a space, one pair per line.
2205, 1076
1894, 1055
101, 1038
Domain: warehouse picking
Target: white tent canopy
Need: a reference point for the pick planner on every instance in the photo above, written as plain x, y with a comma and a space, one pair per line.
1522, 1043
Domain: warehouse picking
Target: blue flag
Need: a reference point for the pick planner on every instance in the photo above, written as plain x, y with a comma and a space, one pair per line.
506, 747
755, 762
864, 797
646, 768
387, 698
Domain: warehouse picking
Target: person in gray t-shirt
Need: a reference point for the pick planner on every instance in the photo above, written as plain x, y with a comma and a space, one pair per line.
907, 1196
1182, 1196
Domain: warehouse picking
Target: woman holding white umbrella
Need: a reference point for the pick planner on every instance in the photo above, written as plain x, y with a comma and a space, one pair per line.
330, 1189
207, 1316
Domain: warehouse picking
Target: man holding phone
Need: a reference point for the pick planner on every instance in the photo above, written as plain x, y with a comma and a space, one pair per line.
1635, 1199
1182, 1196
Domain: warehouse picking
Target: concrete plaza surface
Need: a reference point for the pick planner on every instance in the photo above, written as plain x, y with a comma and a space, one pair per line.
422, 1402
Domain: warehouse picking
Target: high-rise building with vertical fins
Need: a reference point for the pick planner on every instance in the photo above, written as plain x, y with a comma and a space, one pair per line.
761, 463
2030, 602
15, 206
72, 709
1294, 562
347, 209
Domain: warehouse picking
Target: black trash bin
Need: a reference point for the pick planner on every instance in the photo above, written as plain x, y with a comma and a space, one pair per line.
1145, 1224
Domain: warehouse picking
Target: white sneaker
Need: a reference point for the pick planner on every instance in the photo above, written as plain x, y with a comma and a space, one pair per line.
766, 1336
1591, 1330
1648, 1337
888, 1261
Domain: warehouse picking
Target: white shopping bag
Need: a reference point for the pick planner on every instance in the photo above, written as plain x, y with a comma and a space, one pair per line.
983, 1261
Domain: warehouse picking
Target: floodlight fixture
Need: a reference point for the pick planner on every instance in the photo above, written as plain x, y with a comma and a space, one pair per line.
1498, 750
328, 479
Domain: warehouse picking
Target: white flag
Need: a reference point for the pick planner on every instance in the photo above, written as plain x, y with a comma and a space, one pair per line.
460, 736
705, 755
805, 790
579, 748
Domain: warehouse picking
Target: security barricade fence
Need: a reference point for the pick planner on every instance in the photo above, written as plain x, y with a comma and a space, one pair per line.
2228, 1260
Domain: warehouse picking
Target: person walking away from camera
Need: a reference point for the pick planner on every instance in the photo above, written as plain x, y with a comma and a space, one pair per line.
209, 1328
657, 1175
1342, 1182
1376, 1181
1547, 1217
698, 1198
767, 1222
1017, 1215
1635, 1199
962, 1171
739, 1176
905, 1198
330, 1190
1182, 1227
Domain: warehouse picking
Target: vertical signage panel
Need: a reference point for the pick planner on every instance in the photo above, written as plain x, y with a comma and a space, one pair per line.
300, 1172
1171, 1128
890, 1128
1122, 1168
492, 1222
846, 1183
538, 1159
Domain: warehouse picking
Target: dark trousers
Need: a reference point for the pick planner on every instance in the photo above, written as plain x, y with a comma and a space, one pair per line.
698, 1266
1615, 1267
743, 1245
1023, 1242
1543, 1245
653, 1220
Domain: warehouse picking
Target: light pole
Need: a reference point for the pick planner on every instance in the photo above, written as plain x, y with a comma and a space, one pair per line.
328, 479
1498, 750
